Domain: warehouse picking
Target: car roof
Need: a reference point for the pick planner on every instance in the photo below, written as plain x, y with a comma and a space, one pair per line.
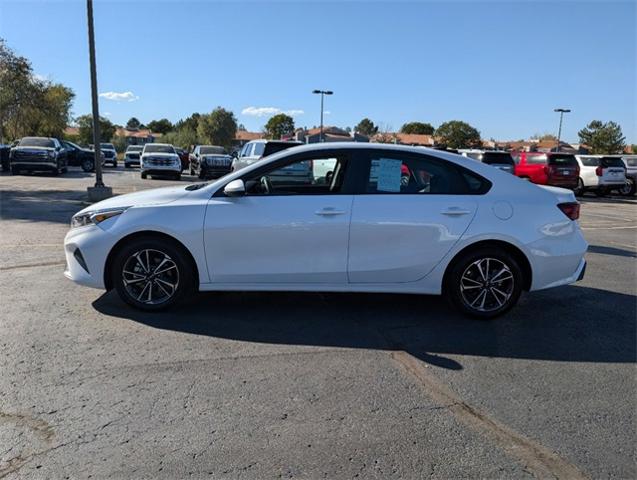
160, 144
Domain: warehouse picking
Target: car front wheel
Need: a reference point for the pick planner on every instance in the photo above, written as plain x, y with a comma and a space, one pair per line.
152, 274
485, 283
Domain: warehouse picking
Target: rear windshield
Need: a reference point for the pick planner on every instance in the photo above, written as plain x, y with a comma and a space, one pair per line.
212, 150
631, 162
562, 160
500, 158
37, 142
159, 149
273, 147
611, 162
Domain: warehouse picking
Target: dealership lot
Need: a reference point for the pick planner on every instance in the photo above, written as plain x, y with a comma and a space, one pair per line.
262, 385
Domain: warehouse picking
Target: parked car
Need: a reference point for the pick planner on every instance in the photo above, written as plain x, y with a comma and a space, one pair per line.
79, 157
160, 159
131, 155
557, 169
495, 158
457, 227
38, 154
630, 161
257, 149
110, 154
600, 174
209, 161
184, 156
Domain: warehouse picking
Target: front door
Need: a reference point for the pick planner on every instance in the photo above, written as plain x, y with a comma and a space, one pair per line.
286, 229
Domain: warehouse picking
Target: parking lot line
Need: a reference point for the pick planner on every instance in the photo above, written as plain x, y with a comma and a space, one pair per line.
537, 459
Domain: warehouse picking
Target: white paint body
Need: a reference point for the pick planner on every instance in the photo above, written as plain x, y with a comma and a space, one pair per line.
611, 176
369, 243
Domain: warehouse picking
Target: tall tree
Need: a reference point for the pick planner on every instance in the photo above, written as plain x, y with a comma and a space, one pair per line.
162, 126
85, 124
218, 128
458, 134
366, 127
418, 128
133, 123
279, 125
603, 138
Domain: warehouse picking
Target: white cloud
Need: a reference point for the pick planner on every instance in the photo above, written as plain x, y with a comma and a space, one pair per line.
327, 112
268, 111
119, 96
107, 114
40, 78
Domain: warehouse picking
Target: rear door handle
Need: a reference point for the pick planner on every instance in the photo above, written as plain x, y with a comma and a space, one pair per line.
455, 211
328, 211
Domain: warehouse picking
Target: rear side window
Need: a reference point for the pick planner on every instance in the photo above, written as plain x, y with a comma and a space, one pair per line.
274, 147
589, 161
389, 174
499, 158
631, 162
562, 160
611, 162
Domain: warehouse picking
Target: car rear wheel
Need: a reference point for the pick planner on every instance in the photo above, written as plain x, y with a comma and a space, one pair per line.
629, 188
579, 190
88, 165
144, 176
152, 274
484, 283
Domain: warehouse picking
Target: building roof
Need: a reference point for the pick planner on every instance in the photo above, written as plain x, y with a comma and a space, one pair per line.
71, 131
245, 135
334, 131
128, 133
406, 138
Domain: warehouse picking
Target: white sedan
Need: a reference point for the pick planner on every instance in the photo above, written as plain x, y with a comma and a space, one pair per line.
381, 218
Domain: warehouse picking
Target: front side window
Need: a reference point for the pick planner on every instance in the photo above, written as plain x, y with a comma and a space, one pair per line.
307, 176
421, 175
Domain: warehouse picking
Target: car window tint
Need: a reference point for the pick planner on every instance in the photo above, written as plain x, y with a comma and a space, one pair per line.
611, 162
590, 161
421, 175
536, 159
562, 160
309, 176
258, 149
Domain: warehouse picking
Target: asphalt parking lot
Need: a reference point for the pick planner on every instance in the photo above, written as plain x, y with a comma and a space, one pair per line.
270, 385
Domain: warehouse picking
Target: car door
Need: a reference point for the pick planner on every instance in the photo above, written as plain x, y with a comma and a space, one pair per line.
282, 232
410, 212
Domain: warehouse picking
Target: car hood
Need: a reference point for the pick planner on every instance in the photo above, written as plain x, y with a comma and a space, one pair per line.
156, 196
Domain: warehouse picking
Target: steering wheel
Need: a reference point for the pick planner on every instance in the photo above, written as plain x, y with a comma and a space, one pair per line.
266, 185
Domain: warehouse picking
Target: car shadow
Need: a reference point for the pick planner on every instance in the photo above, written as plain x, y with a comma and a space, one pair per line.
572, 323
619, 252
41, 205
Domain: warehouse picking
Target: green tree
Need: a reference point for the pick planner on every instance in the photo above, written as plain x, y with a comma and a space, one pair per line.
184, 137
160, 126
458, 134
29, 106
218, 127
366, 127
418, 128
279, 125
133, 123
603, 138
85, 124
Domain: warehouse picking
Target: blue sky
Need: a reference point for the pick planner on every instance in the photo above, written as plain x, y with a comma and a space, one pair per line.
502, 66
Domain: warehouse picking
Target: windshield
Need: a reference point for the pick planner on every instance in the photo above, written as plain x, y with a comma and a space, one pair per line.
37, 142
212, 150
562, 160
107, 146
159, 149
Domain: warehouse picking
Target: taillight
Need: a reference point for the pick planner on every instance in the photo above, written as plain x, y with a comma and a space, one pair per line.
599, 171
570, 209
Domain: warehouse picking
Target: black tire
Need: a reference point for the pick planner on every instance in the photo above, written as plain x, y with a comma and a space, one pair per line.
202, 173
579, 190
174, 266
15, 170
192, 172
628, 190
144, 176
126, 165
177, 176
88, 165
114, 164
464, 285
56, 171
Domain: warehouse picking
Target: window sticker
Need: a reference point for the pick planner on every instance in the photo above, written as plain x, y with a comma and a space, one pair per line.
388, 175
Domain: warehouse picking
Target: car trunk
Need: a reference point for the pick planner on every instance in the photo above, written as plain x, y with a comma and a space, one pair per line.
562, 169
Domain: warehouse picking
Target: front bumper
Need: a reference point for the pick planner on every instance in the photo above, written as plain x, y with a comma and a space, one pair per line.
27, 165
160, 169
93, 244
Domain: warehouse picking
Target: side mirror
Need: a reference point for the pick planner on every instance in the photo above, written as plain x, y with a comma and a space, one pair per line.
236, 188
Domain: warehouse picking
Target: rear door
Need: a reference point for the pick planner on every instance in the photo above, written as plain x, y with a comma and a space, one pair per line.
408, 213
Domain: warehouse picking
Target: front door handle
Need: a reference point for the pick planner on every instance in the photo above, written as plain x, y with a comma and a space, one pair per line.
455, 211
328, 211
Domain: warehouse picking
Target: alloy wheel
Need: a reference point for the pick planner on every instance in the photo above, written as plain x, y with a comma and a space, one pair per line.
150, 276
487, 285
627, 188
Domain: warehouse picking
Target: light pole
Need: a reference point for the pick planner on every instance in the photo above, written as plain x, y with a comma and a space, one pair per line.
99, 191
322, 93
561, 111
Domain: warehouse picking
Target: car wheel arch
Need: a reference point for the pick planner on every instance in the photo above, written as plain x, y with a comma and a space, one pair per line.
513, 250
150, 234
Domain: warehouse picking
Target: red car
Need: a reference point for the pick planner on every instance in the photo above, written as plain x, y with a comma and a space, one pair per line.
557, 169
184, 157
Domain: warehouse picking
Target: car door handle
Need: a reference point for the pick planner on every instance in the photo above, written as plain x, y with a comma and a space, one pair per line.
455, 211
329, 211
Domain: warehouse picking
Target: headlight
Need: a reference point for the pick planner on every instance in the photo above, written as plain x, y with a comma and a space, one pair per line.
96, 217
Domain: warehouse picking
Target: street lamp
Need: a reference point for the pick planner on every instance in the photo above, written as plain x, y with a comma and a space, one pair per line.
561, 111
99, 191
322, 93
